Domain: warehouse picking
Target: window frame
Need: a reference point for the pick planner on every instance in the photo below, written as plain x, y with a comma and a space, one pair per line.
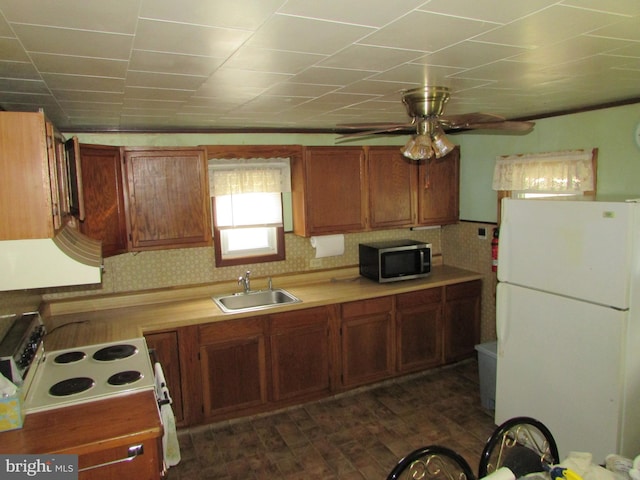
228, 262
293, 152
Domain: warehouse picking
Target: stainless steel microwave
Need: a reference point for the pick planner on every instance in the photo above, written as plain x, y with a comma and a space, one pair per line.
395, 260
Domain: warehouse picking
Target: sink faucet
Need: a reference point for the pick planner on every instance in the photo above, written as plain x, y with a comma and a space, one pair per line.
245, 282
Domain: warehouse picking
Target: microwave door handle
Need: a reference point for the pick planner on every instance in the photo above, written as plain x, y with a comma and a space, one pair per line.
421, 261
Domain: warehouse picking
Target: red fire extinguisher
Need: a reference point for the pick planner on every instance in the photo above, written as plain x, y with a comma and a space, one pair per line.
494, 250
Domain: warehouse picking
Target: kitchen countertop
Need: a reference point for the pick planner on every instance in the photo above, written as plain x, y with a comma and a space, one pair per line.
86, 321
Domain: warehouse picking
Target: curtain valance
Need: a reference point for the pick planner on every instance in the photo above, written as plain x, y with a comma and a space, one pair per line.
565, 171
249, 175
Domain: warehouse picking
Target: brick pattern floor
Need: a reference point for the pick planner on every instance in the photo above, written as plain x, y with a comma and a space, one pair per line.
359, 435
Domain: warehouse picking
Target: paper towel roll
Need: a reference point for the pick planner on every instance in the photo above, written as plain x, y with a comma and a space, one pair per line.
328, 245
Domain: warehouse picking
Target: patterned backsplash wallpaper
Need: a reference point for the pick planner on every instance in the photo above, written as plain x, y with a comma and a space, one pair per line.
459, 245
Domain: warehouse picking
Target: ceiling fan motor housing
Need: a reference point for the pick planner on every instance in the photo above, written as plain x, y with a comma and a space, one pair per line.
425, 101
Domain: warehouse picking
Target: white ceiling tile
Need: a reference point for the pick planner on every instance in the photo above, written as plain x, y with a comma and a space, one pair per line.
18, 70
427, 32
499, 12
375, 13
12, 50
330, 76
297, 34
164, 80
162, 36
100, 67
117, 16
156, 94
267, 60
373, 58
57, 81
469, 54
18, 85
146, 61
549, 26
242, 14
627, 29
624, 7
74, 42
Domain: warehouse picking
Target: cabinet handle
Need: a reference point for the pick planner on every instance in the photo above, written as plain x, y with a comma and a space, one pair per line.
132, 453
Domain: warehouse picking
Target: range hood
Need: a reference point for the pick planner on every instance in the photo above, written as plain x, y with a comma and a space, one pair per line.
70, 258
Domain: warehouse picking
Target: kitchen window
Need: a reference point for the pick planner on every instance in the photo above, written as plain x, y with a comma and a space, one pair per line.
550, 174
247, 209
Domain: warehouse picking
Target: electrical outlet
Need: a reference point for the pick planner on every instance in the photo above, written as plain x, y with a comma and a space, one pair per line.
482, 233
315, 263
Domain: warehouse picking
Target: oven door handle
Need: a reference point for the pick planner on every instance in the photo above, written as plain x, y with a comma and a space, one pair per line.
133, 452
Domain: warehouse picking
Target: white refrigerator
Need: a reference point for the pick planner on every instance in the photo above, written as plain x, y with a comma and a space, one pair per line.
568, 322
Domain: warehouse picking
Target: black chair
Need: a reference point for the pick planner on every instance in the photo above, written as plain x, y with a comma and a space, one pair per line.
521, 444
432, 463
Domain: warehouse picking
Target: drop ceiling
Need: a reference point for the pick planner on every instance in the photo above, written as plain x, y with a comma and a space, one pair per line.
309, 65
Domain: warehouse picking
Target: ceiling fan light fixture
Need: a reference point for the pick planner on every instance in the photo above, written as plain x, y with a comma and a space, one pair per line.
419, 147
441, 144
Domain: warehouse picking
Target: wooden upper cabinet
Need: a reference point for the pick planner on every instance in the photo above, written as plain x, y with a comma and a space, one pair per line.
439, 189
105, 217
28, 196
168, 196
329, 194
391, 183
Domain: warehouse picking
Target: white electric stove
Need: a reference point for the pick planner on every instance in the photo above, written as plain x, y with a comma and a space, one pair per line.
92, 372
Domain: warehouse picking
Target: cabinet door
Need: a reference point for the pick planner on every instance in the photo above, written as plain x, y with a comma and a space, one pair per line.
368, 341
167, 351
462, 320
392, 180
29, 205
439, 189
233, 366
105, 218
419, 326
168, 195
300, 353
329, 194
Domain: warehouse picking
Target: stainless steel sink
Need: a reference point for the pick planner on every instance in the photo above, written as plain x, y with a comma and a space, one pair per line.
261, 299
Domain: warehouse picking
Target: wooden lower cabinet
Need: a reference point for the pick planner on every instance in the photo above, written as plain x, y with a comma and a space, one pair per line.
419, 329
233, 365
251, 365
300, 354
462, 320
368, 341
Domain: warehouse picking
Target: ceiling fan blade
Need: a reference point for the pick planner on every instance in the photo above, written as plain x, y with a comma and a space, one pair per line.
369, 129
463, 120
506, 125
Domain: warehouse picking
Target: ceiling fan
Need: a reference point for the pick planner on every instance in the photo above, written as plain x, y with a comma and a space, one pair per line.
425, 105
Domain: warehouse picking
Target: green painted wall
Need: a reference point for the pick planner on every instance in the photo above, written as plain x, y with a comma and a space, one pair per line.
611, 130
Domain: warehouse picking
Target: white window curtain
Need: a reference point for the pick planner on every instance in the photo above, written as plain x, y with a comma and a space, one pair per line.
249, 175
565, 171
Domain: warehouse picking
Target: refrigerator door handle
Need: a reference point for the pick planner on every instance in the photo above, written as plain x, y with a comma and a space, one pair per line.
502, 325
504, 240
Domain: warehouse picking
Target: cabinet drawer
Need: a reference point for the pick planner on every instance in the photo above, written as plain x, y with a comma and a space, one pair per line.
463, 290
230, 330
367, 307
422, 297
283, 322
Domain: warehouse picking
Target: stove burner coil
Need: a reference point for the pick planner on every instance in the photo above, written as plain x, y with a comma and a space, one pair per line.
124, 378
69, 357
114, 352
71, 386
